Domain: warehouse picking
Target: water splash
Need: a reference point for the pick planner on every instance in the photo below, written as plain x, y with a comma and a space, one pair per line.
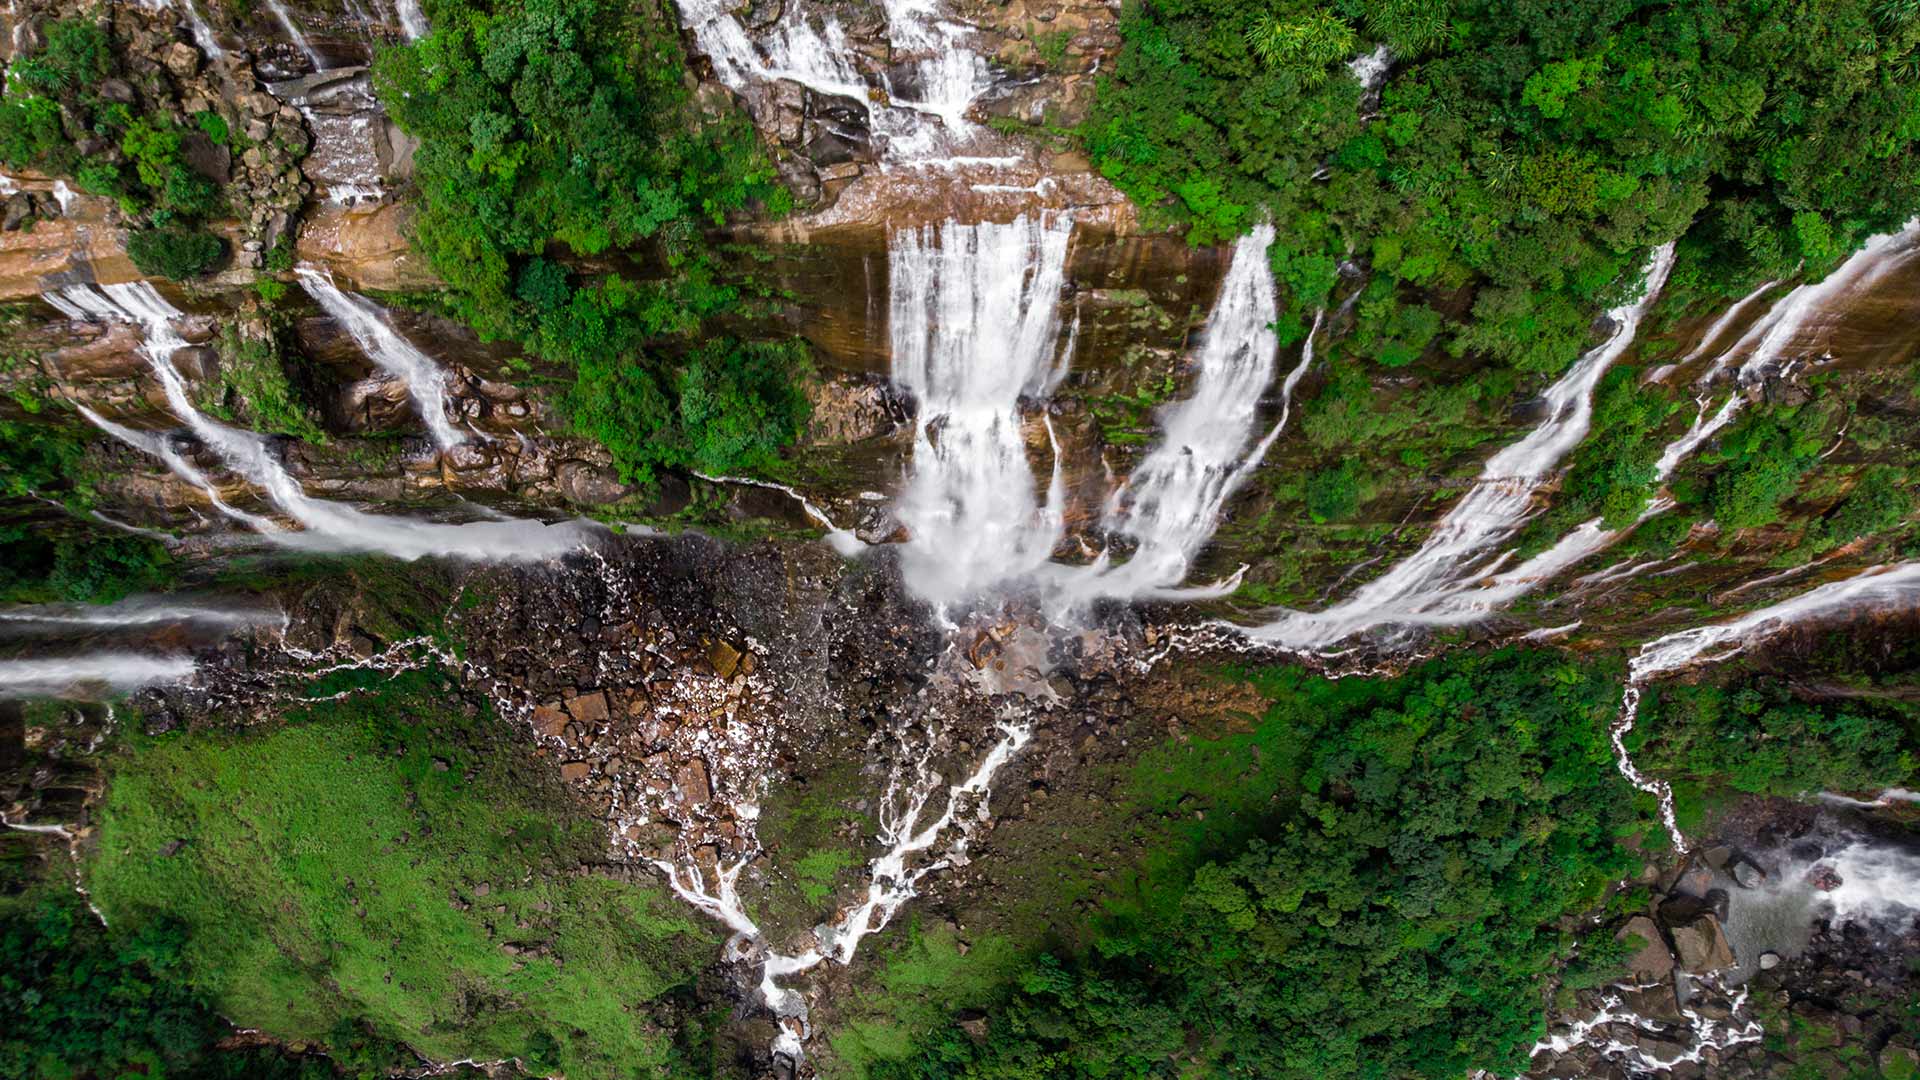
975, 325
327, 526
1435, 586
426, 382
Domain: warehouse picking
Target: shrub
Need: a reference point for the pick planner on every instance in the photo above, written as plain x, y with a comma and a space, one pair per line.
175, 253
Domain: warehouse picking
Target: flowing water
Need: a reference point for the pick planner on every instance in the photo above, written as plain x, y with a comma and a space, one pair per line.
90, 675
1869, 882
137, 612
295, 35
1875, 588
413, 22
426, 382
1436, 585
1171, 505
975, 327
326, 526
919, 119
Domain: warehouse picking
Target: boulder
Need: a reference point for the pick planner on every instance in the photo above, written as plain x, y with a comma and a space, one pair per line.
690, 782
1653, 961
549, 722
1747, 875
1769, 961
182, 60
589, 708
1702, 945
1825, 878
575, 771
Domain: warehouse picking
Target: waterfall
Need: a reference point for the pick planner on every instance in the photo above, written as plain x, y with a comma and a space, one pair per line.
89, 675
946, 74
327, 526
412, 22
1434, 586
139, 611
1875, 588
294, 35
161, 447
393, 354
1790, 317
1172, 503
974, 325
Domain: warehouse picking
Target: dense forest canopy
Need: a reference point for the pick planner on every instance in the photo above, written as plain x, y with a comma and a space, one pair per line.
1531, 151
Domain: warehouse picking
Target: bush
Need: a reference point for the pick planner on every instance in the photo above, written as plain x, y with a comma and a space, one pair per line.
553, 129
175, 253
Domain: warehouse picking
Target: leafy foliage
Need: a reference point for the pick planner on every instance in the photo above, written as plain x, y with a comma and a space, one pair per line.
53, 108
42, 561
78, 1000
1528, 153
1399, 920
553, 131
1755, 735
175, 253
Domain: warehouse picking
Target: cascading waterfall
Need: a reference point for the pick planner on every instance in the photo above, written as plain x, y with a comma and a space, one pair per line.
89, 675
426, 382
975, 325
140, 611
1875, 588
1790, 319
326, 526
1435, 585
1172, 503
947, 74
413, 23
295, 35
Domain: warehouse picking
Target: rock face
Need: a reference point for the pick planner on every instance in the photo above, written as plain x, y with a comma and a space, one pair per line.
1702, 945
1653, 961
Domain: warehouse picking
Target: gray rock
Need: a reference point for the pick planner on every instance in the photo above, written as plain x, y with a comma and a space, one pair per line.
1653, 961
1702, 945
19, 210
1747, 875
1769, 961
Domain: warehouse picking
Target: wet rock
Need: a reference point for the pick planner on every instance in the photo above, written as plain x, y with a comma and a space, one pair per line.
1702, 945
724, 658
1653, 960
1747, 875
1825, 878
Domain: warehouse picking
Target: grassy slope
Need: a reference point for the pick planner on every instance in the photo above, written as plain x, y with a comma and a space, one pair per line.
322, 862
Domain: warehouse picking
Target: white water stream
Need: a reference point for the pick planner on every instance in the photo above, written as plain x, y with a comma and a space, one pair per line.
1436, 585
412, 22
371, 328
919, 120
89, 675
975, 327
1875, 588
139, 611
295, 35
1172, 503
327, 526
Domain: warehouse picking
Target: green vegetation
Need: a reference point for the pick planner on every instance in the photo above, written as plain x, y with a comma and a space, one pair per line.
57, 117
394, 862
253, 374
69, 559
558, 131
80, 1000
1610, 475
1387, 905
1528, 154
175, 253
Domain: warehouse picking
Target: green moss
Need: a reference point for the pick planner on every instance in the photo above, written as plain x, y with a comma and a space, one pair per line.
373, 858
